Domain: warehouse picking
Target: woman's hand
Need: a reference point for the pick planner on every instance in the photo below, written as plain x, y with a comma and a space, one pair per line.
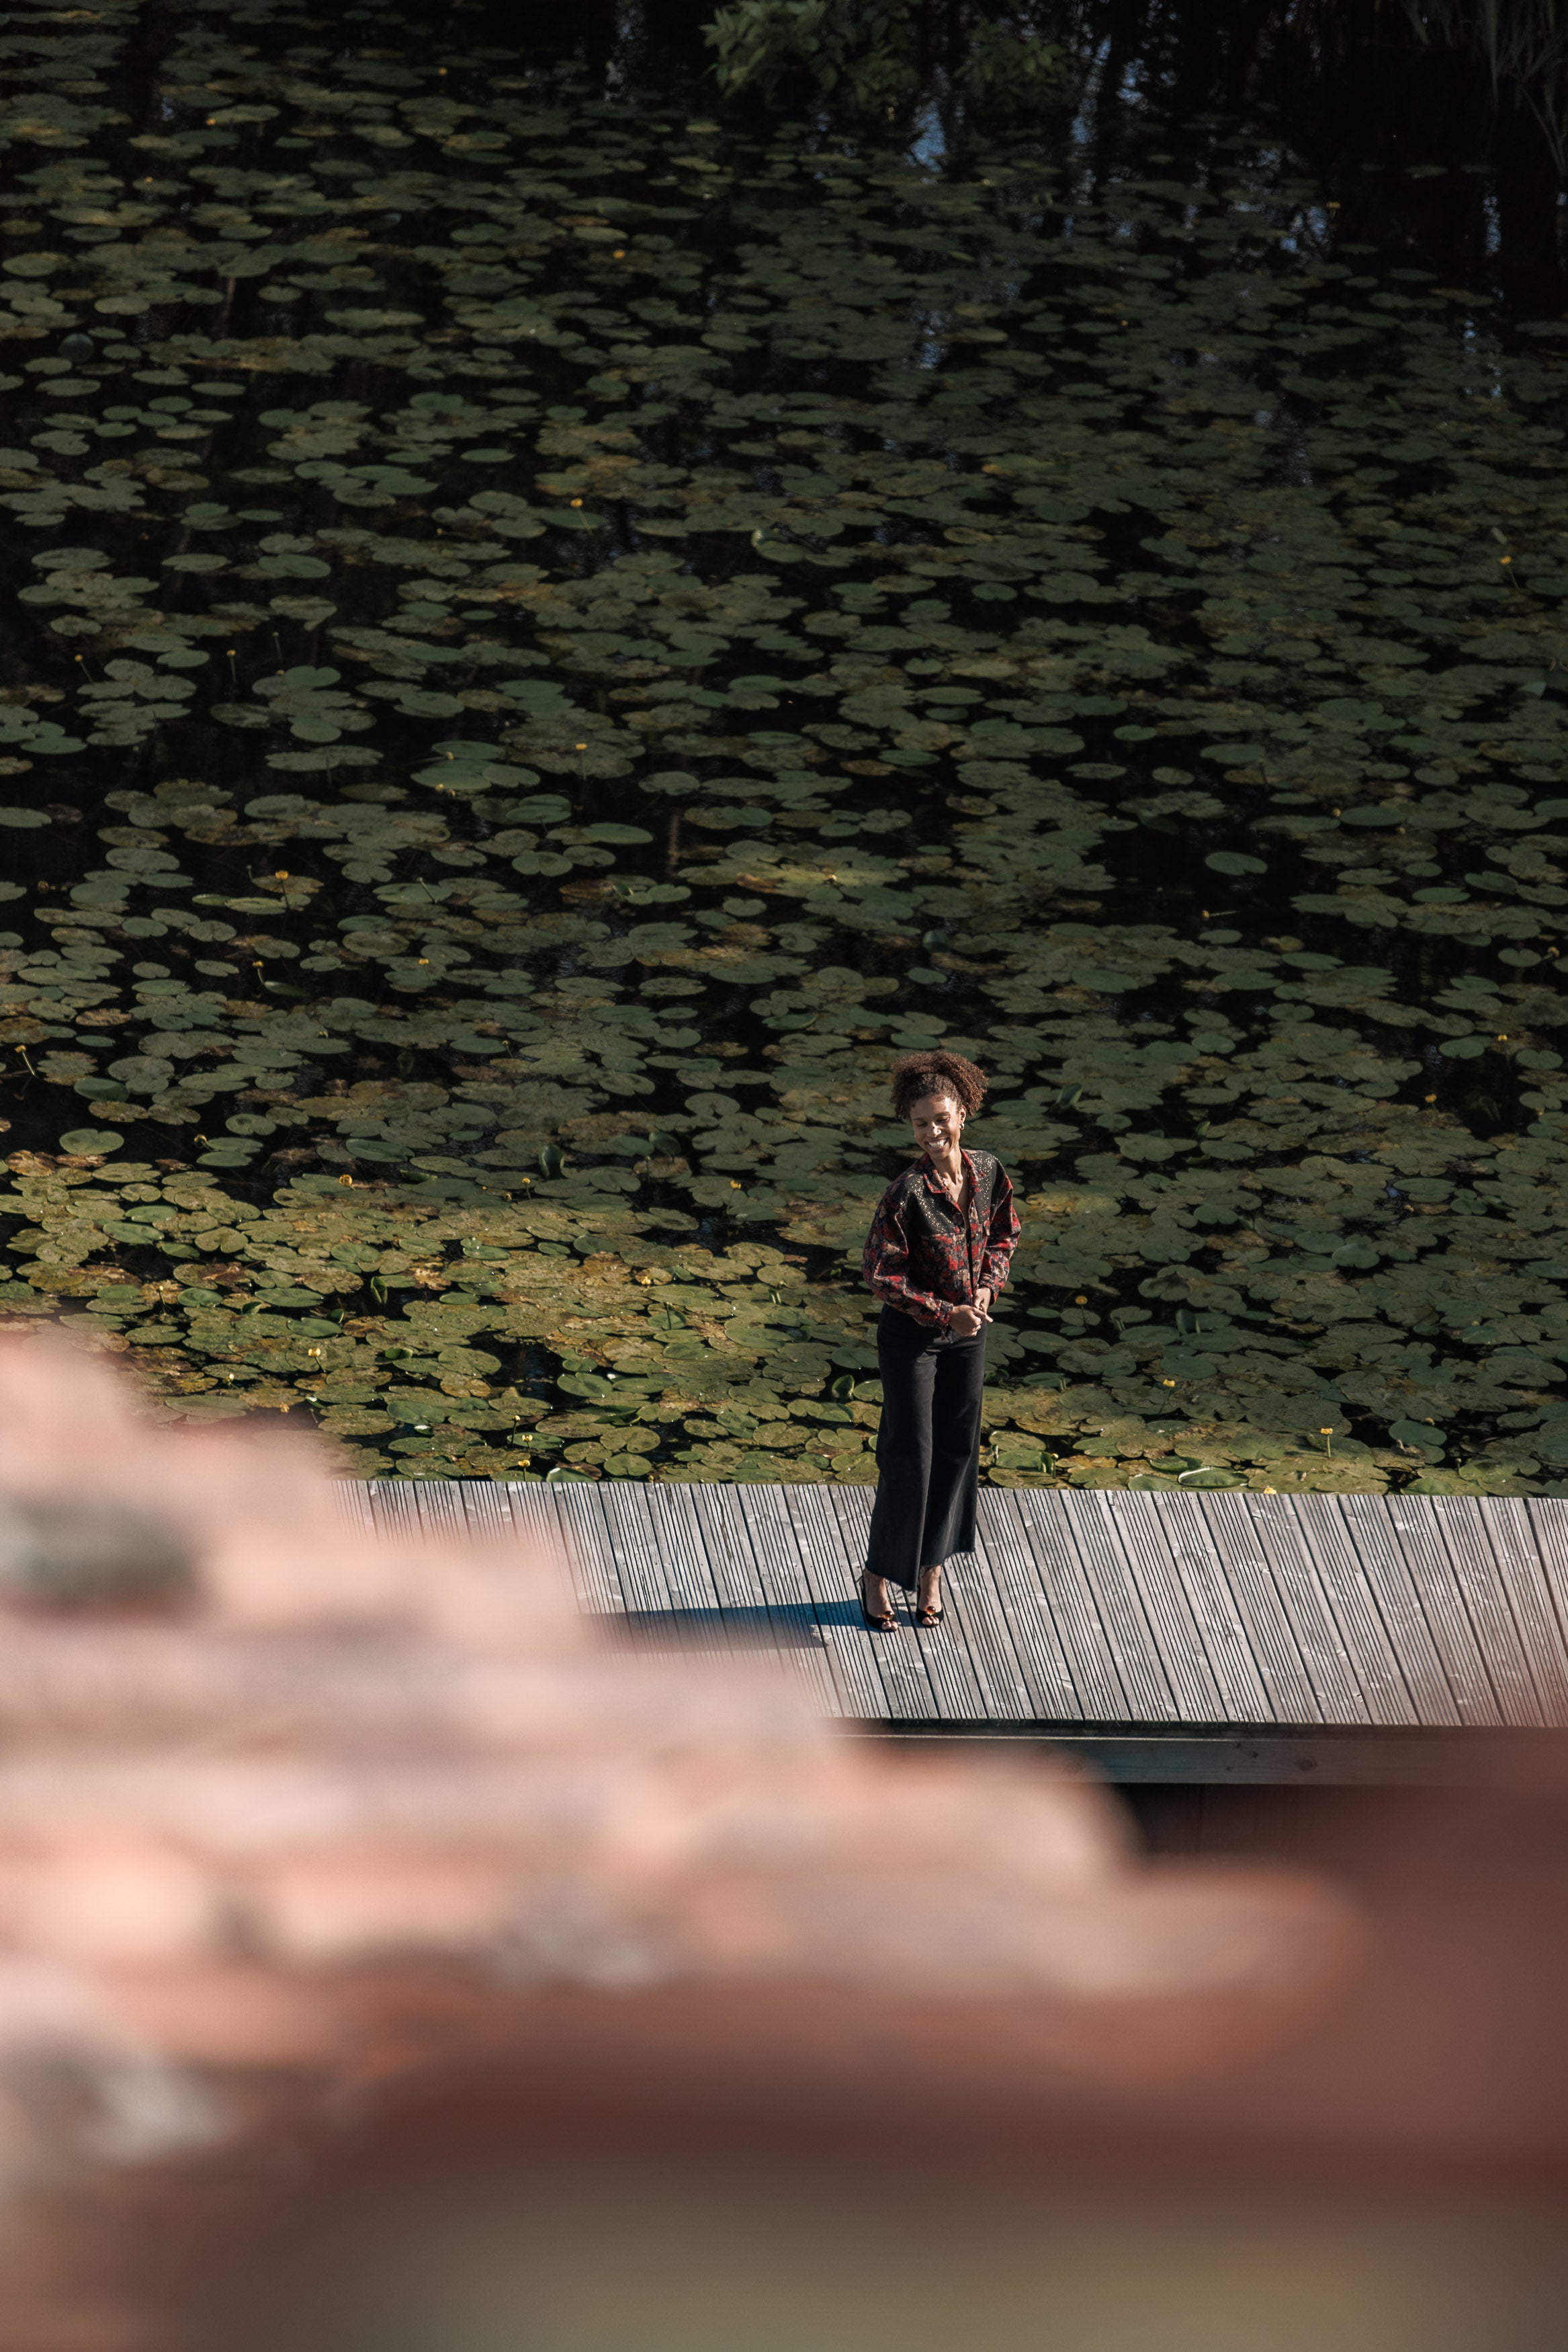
966, 1322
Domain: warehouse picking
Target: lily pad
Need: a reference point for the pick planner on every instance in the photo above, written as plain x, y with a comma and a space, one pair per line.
91, 1139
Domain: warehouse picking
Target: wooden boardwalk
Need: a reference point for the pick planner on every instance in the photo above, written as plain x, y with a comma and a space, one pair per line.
1211, 1635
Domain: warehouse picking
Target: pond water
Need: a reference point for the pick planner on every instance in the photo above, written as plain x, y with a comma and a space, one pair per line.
559, 631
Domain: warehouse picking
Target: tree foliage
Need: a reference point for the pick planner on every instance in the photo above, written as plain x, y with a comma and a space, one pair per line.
1524, 44
875, 56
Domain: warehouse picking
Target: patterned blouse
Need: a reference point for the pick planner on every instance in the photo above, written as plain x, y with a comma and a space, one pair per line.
924, 1256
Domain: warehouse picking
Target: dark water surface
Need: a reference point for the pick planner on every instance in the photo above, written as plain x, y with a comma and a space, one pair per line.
558, 633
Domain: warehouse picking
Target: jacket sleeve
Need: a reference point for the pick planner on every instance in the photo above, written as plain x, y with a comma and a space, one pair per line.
1001, 1236
886, 1266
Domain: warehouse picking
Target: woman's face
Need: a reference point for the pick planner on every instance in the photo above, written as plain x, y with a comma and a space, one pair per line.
936, 1121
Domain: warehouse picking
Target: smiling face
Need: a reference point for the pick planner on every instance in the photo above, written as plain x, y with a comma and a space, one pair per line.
936, 1121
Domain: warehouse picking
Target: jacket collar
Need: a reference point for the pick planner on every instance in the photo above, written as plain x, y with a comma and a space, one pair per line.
933, 1182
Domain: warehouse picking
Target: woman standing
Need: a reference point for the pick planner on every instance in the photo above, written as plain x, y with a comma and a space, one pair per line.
936, 1257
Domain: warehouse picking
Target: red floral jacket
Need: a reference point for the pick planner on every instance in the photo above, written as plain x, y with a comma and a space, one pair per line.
924, 1257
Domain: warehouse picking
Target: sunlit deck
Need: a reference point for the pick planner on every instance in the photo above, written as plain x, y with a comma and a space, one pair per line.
1215, 1635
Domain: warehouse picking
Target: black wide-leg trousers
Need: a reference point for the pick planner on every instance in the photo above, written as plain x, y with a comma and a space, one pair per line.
927, 1449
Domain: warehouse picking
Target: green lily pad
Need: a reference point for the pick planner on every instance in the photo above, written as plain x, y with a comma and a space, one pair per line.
91, 1139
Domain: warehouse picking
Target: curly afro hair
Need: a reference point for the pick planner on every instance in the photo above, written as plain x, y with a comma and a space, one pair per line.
937, 1074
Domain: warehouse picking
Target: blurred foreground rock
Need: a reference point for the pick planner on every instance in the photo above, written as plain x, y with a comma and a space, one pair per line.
288, 1814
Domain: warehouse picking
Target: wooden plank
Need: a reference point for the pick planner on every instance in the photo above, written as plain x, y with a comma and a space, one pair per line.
1455, 1523
710, 1566
980, 1623
741, 1562
833, 1585
1123, 1611
352, 1496
595, 1570
777, 1554
622, 1505
855, 1503
415, 1508
1021, 1571
1394, 1524
523, 1518
1129, 1638
1327, 1579
1507, 1523
392, 1503
1166, 1606
523, 1512
438, 1507
1547, 1519
726, 1547
1300, 1653
1231, 1599
679, 1538
860, 1663
663, 1569
1051, 1588
850, 1508
957, 1693
1318, 1642
862, 1679
529, 1504
1341, 1577
1326, 1653
484, 1512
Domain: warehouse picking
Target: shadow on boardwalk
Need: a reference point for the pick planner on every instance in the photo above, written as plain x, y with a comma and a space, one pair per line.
790, 1626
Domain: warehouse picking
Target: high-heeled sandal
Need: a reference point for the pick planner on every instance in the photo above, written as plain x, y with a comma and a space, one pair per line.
874, 1624
927, 1617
